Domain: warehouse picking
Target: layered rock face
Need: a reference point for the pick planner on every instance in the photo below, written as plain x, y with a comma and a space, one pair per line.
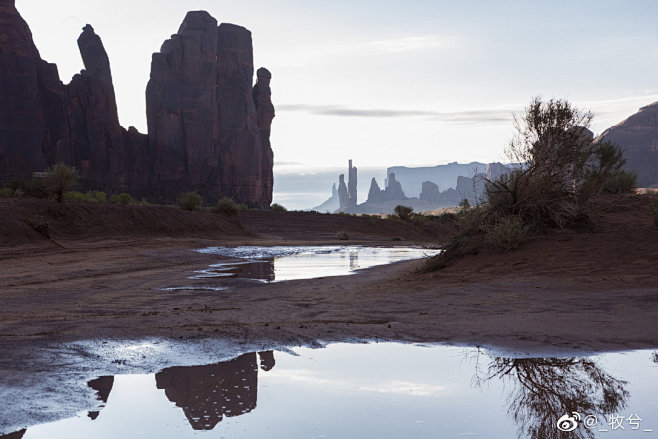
208, 127
30, 91
44, 121
638, 137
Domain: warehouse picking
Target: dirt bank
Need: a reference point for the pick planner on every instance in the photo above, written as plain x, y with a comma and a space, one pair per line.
567, 291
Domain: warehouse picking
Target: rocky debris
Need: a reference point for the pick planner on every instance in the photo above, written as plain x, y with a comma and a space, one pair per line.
351, 187
430, 192
638, 137
208, 127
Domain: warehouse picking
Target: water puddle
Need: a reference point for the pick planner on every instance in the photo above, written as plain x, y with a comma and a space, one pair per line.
384, 390
247, 264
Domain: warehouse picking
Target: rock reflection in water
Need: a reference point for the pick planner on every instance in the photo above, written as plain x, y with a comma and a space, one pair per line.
544, 389
207, 393
103, 387
15, 435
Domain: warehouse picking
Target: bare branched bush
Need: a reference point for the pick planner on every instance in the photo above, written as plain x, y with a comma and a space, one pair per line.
60, 178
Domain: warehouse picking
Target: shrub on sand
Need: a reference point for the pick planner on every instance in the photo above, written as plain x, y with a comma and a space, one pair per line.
227, 207
60, 178
403, 212
190, 201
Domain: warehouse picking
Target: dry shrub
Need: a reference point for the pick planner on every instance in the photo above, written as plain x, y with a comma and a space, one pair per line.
506, 233
228, 207
190, 201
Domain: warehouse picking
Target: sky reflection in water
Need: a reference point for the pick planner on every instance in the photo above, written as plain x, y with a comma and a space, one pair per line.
381, 390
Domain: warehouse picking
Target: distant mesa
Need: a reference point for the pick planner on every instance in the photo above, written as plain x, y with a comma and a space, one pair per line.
638, 137
209, 127
460, 181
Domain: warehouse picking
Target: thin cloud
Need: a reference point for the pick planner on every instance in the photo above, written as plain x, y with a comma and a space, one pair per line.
456, 117
406, 44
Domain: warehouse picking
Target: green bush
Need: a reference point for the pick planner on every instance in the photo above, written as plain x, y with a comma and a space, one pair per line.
622, 182
101, 197
7, 192
227, 207
605, 173
278, 208
403, 212
190, 201
125, 199
73, 196
506, 233
60, 178
32, 188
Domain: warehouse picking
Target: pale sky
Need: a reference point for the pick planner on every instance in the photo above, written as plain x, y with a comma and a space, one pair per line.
388, 82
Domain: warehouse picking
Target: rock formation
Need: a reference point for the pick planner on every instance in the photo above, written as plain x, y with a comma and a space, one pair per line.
208, 127
208, 393
351, 187
638, 137
103, 386
375, 193
331, 205
430, 192
342, 193
393, 189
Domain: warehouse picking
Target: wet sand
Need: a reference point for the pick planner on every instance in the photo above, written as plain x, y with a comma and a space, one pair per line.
567, 292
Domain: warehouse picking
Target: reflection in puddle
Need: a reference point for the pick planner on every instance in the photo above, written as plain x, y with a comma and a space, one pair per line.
544, 389
273, 264
376, 390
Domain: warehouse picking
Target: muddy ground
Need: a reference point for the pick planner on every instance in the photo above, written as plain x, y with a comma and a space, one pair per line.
589, 291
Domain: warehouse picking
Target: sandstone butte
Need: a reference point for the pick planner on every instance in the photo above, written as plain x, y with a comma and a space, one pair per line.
208, 127
638, 137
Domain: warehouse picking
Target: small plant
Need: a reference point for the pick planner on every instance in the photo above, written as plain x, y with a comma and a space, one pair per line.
505, 233
464, 204
403, 212
73, 196
278, 208
227, 207
101, 197
125, 199
342, 236
59, 179
190, 201
7, 192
